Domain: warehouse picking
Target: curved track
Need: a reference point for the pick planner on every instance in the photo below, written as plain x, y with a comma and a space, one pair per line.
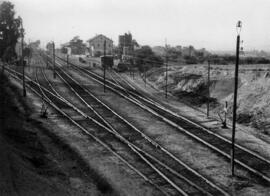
155, 153
251, 161
126, 153
162, 176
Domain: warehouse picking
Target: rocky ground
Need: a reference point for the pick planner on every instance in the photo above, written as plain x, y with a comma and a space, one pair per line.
189, 84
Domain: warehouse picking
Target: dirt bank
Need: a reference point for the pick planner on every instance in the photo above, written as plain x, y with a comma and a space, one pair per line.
31, 162
189, 84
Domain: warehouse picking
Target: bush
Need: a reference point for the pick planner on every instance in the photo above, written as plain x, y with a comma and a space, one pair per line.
191, 60
230, 59
122, 67
145, 59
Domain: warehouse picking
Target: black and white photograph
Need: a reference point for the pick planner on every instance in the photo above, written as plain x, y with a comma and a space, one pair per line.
134, 98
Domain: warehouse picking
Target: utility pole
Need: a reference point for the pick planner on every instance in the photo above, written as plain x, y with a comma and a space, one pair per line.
166, 61
225, 115
144, 74
54, 75
22, 58
104, 67
3, 65
208, 88
166, 90
131, 69
67, 59
238, 26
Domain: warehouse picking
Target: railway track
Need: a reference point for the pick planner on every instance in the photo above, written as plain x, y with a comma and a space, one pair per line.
249, 160
155, 153
126, 153
162, 176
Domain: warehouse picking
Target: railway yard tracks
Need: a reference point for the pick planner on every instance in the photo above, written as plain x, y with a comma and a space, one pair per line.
147, 158
155, 154
251, 161
162, 175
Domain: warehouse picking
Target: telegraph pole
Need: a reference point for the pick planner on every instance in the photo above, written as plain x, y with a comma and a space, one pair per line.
166, 90
54, 75
166, 61
208, 86
3, 65
104, 67
144, 74
67, 59
239, 26
22, 58
47, 62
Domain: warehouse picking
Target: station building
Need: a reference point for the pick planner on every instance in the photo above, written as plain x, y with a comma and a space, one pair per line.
96, 45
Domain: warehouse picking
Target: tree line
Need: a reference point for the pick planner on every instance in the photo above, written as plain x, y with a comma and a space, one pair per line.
230, 59
9, 31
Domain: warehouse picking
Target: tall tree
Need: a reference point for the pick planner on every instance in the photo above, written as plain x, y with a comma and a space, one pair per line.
77, 46
9, 30
146, 58
34, 44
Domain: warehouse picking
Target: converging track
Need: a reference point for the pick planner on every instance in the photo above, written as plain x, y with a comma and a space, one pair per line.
143, 155
102, 135
251, 161
164, 161
147, 165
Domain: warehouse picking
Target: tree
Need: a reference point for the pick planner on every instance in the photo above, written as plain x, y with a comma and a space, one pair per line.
77, 46
35, 44
9, 28
146, 58
64, 50
173, 54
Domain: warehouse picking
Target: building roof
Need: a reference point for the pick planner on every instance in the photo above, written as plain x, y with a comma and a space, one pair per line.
97, 36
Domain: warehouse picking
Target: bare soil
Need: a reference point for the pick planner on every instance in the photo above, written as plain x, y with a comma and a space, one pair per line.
189, 84
32, 160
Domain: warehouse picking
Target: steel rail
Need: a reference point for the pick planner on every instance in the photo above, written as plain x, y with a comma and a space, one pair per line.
104, 144
124, 80
159, 146
227, 155
137, 151
130, 125
135, 146
156, 104
121, 158
168, 180
252, 170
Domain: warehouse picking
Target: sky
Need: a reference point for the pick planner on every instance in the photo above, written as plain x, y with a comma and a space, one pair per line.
209, 24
